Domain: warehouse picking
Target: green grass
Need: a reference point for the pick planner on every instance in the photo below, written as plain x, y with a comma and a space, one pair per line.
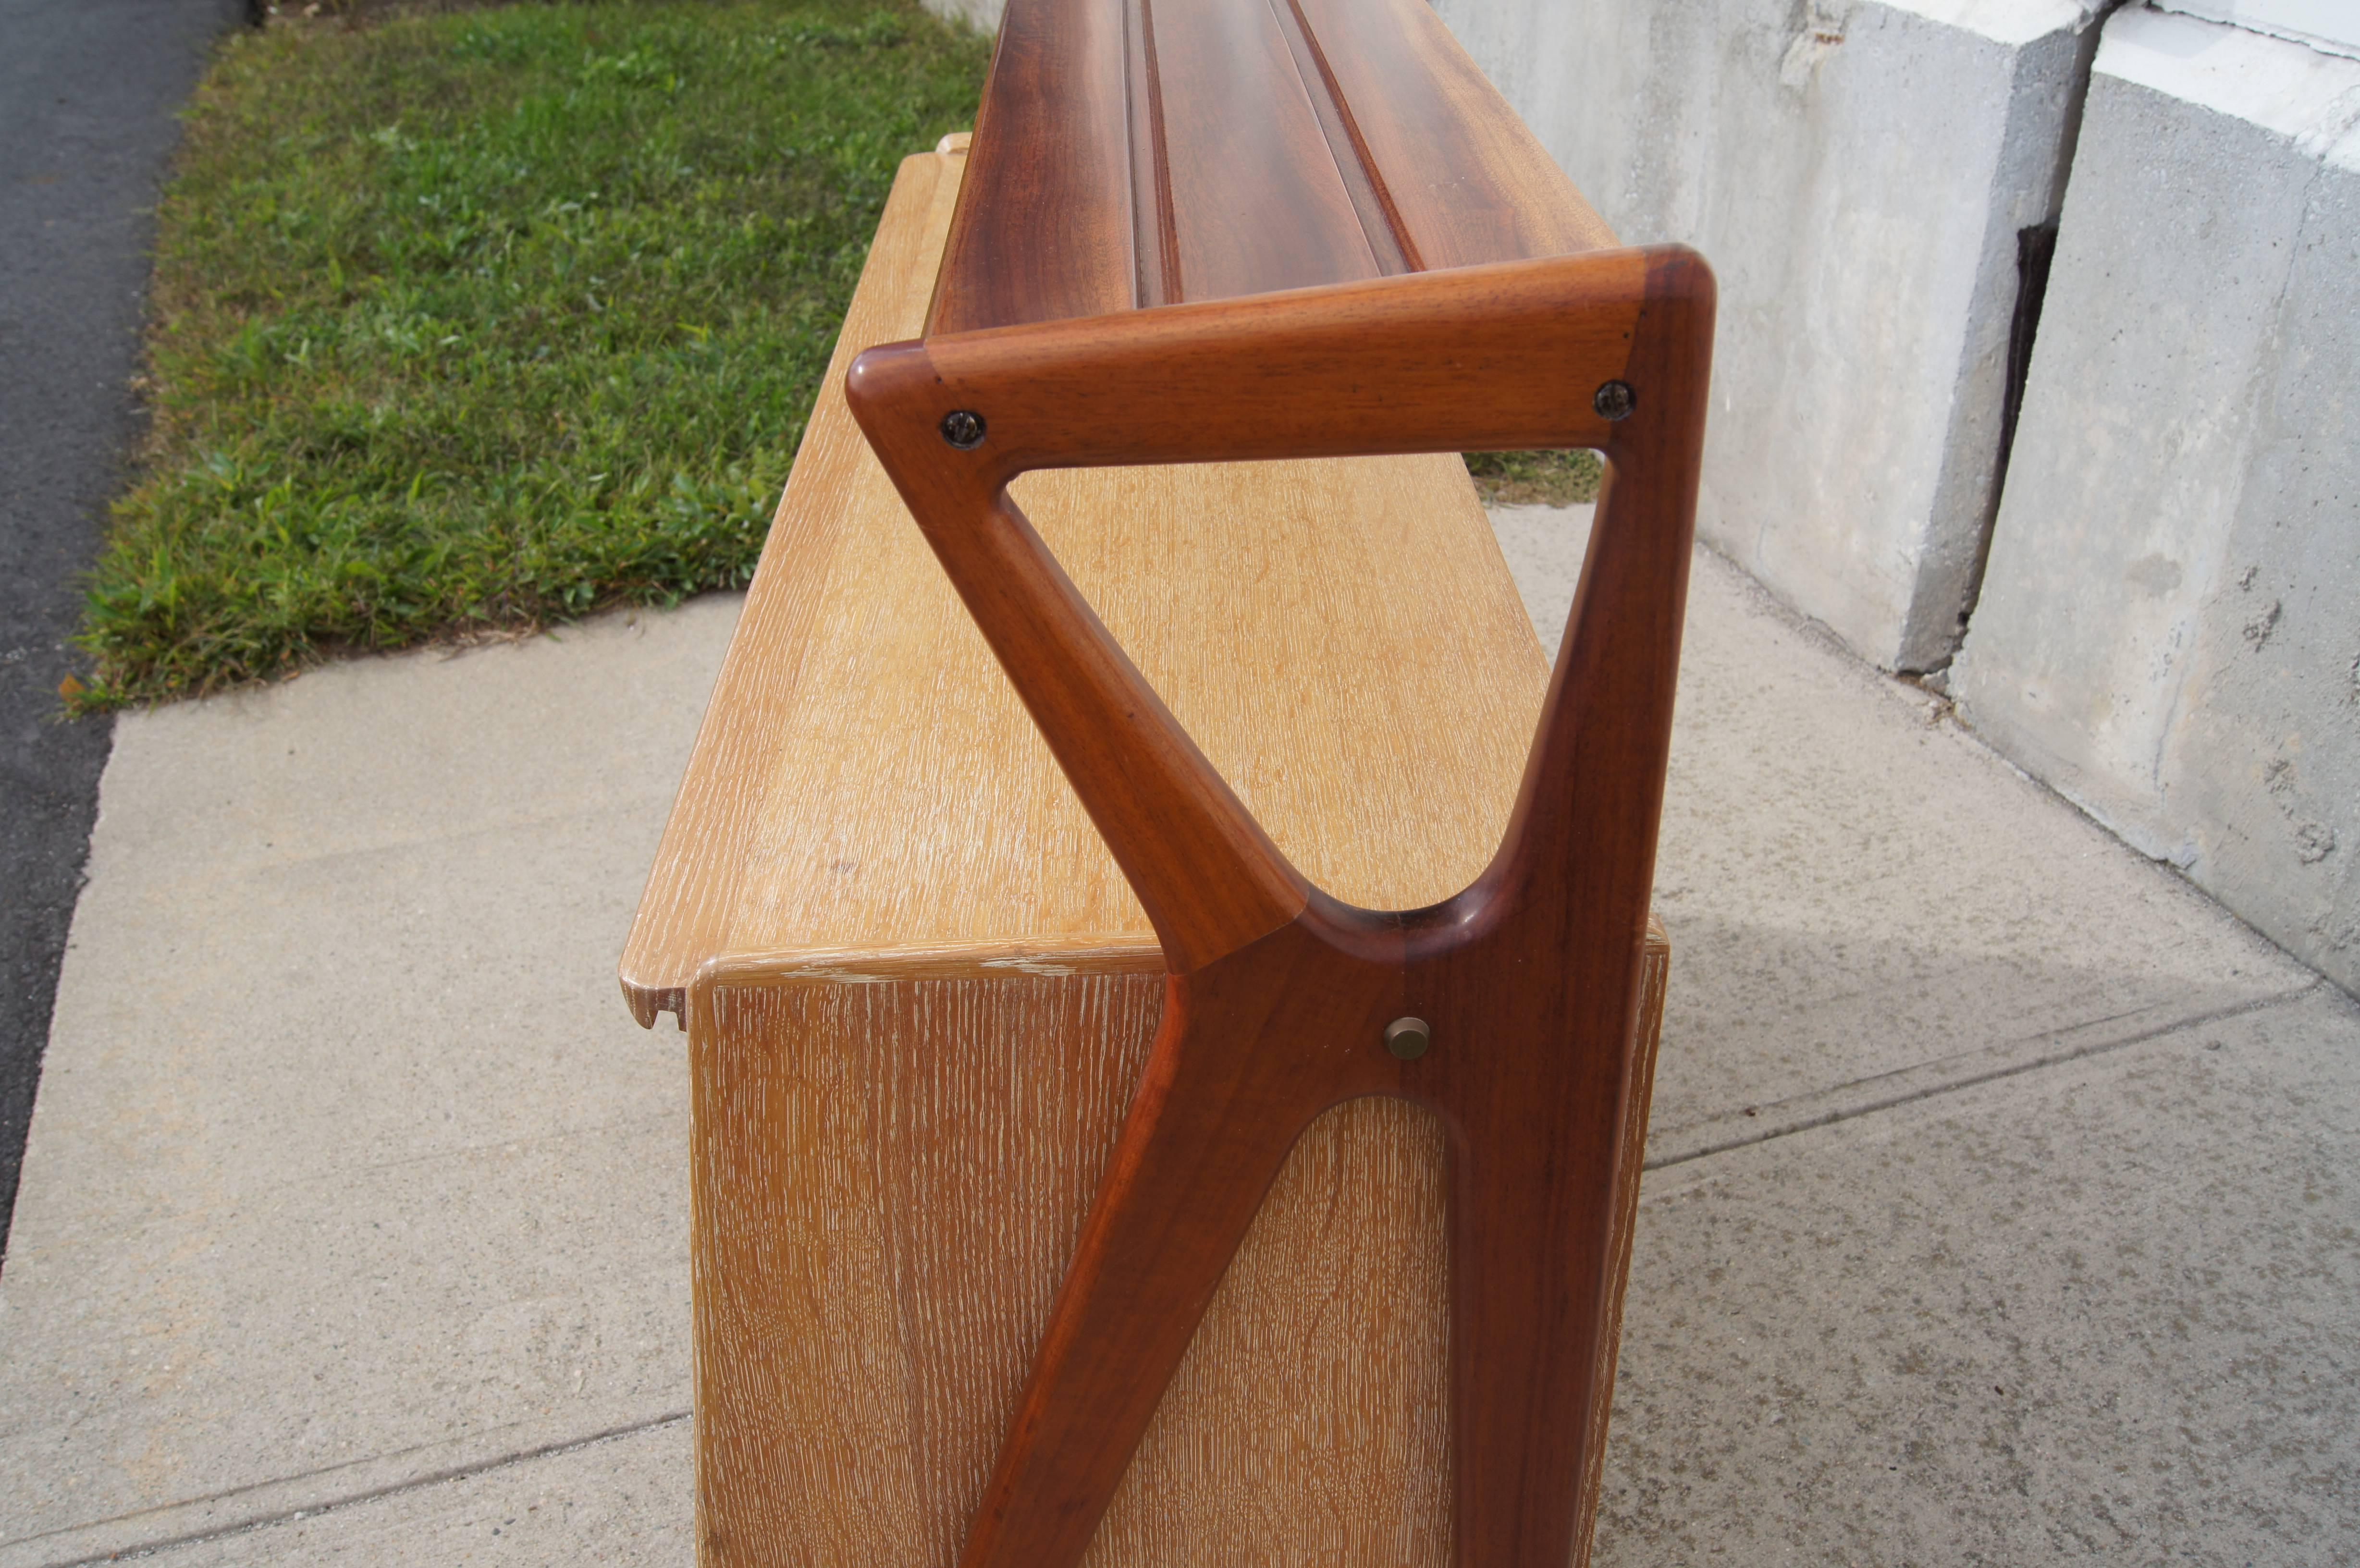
1535, 478
487, 320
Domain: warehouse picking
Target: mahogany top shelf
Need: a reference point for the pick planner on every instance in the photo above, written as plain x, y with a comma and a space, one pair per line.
1132, 153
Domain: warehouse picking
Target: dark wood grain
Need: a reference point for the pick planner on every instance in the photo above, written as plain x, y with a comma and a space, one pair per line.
1043, 227
1257, 200
1278, 994
1381, 219
1154, 234
1467, 182
1149, 152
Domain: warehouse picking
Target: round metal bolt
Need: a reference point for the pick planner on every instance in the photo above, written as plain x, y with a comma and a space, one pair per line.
1408, 1037
963, 428
1615, 400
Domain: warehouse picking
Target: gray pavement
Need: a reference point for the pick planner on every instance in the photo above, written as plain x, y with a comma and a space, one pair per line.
1999, 1208
87, 94
349, 1171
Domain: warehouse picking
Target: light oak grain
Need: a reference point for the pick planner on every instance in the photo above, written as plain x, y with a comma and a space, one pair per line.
893, 1154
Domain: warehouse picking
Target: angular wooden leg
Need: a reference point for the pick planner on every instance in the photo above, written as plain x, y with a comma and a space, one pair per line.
1528, 1281
1198, 1152
1529, 983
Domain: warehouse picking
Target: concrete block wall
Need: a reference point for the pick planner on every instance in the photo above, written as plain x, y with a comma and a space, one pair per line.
1860, 175
2170, 629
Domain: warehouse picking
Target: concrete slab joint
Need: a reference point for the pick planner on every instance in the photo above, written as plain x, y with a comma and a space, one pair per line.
1862, 173
2169, 631
2329, 25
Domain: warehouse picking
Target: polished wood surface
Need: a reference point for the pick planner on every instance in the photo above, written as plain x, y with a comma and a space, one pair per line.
1057, 114
1135, 153
1464, 181
1279, 992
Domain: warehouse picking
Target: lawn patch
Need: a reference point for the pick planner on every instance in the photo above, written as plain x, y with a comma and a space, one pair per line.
1535, 478
486, 320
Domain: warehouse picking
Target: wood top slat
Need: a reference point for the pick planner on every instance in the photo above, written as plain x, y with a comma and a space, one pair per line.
1468, 183
1133, 153
1056, 115
1258, 203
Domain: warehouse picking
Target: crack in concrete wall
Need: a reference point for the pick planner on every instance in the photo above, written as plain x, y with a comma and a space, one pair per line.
2169, 626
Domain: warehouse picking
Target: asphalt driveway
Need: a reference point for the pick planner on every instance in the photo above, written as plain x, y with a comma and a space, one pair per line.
88, 89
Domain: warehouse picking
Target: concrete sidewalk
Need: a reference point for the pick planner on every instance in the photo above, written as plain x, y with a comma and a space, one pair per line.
2001, 1205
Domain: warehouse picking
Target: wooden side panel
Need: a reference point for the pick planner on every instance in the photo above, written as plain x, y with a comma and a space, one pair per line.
889, 1178
891, 1167
1309, 1421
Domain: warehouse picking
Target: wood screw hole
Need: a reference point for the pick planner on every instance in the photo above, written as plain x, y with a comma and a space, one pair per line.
1408, 1037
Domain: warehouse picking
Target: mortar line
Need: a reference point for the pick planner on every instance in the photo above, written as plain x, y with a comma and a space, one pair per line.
2004, 1070
350, 1500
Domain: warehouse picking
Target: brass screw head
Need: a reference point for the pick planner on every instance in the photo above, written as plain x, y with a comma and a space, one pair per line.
1615, 399
963, 428
1408, 1037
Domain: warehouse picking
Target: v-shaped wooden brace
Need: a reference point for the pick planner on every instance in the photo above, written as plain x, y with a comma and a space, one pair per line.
1280, 997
